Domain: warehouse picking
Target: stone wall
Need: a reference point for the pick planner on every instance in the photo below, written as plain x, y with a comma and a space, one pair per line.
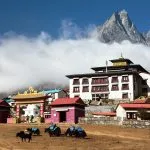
136, 123
91, 109
115, 121
100, 120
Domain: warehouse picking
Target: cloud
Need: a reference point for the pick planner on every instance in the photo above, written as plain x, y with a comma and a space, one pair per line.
29, 61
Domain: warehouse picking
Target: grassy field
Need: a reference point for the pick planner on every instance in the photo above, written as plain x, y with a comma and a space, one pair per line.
99, 138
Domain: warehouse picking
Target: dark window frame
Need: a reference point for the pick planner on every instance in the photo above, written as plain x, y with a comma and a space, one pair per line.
76, 91
85, 89
125, 95
115, 87
131, 115
100, 80
125, 86
85, 81
76, 81
100, 88
125, 79
114, 80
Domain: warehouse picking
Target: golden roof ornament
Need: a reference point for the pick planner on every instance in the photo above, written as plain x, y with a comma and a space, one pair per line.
31, 90
29, 93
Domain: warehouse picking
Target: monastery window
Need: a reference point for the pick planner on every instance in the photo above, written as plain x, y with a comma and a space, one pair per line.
96, 97
99, 80
99, 96
115, 87
100, 88
114, 79
85, 89
144, 82
76, 89
125, 79
125, 96
85, 81
125, 86
76, 95
104, 96
76, 81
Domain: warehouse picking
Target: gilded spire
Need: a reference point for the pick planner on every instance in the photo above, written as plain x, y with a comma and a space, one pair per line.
121, 57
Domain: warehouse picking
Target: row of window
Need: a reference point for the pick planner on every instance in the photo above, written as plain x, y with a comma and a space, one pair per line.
105, 96
101, 88
101, 80
116, 88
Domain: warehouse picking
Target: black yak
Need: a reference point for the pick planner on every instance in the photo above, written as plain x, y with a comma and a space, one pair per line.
24, 135
75, 131
53, 130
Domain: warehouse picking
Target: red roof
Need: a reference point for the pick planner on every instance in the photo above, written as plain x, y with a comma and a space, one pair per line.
131, 105
4, 104
68, 101
105, 113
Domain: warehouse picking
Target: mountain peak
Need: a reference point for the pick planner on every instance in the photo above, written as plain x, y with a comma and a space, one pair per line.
124, 12
118, 28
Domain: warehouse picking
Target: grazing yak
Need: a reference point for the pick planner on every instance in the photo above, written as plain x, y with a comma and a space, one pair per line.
53, 130
35, 131
24, 135
75, 131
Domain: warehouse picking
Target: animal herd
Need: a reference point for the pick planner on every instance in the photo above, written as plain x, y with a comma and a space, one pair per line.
52, 130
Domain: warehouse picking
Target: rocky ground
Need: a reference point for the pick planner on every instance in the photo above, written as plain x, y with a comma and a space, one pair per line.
99, 138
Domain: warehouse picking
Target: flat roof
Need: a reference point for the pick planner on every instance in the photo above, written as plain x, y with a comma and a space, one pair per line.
101, 74
132, 66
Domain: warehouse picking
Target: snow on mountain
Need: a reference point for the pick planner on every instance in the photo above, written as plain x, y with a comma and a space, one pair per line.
147, 37
118, 28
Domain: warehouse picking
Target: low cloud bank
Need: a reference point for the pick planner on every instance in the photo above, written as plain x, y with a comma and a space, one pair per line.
26, 61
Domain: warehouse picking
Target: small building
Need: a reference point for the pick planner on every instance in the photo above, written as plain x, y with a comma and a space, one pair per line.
67, 110
4, 111
131, 110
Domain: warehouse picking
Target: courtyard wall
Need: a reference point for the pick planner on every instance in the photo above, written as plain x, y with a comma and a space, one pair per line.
115, 121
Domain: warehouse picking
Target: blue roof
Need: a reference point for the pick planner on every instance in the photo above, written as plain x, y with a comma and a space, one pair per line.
51, 91
8, 100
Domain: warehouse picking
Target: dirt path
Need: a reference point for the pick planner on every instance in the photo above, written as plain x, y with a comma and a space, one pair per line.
116, 135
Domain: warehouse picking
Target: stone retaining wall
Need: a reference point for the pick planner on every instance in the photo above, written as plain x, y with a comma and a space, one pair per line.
100, 120
115, 121
136, 123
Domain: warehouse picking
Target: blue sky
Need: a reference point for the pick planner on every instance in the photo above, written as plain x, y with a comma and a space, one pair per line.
30, 17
